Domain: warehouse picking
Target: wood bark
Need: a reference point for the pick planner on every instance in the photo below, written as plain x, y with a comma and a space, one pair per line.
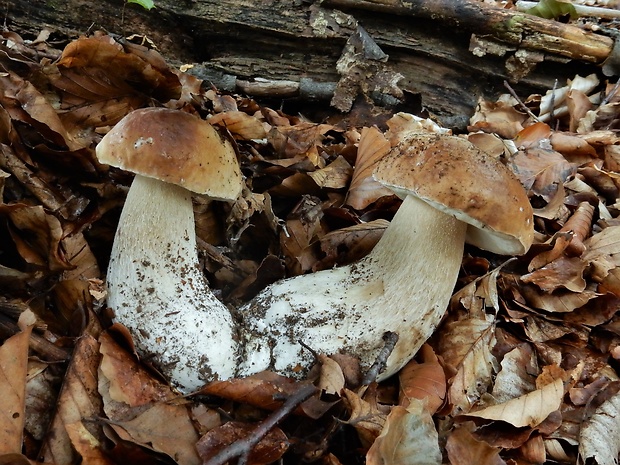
449, 53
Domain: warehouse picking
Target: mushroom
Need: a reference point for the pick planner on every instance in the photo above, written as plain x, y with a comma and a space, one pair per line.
453, 193
155, 286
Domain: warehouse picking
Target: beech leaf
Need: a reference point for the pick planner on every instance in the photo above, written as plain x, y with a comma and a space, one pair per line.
409, 437
530, 409
600, 436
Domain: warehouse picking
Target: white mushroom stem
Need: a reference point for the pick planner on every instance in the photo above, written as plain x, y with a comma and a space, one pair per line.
404, 285
156, 289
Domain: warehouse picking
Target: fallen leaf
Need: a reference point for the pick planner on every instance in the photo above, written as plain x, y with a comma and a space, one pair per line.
424, 381
13, 369
599, 438
363, 189
78, 400
268, 450
164, 428
366, 415
336, 175
239, 123
529, 410
87, 445
409, 437
464, 449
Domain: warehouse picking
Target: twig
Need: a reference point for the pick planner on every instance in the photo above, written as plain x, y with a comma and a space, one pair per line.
390, 339
521, 104
242, 447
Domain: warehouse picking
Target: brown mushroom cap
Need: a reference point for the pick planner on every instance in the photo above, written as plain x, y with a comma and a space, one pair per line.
174, 147
459, 179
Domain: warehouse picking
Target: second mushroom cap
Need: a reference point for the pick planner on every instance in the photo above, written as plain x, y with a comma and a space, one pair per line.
456, 177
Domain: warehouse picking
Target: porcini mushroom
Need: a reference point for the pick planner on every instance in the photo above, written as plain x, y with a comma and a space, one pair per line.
155, 286
453, 193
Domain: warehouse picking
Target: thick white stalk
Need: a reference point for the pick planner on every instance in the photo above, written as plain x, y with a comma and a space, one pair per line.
404, 285
156, 289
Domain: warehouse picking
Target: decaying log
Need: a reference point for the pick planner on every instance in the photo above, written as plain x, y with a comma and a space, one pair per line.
448, 53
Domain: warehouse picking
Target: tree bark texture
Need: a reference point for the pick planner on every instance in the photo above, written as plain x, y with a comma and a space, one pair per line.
439, 55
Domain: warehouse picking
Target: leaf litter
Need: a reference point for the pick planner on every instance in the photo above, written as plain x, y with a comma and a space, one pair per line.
522, 370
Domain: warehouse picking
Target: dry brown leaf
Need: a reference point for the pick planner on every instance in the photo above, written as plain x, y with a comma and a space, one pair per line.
558, 302
138, 406
336, 175
541, 170
517, 375
13, 370
270, 448
529, 410
467, 346
535, 135
366, 415
363, 189
331, 379
164, 428
41, 397
240, 124
78, 400
346, 245
497, 117
603, 251
491, 144
563, 272
128, 382
464, 449
600, 434
571, 145
44, 233
409, 437
425, 381
266, 390
87, 445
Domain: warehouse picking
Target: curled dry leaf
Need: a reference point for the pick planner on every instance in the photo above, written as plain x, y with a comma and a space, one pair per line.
563, 272
424, 381
466, 346
499, 117
139, 406
529, 410
409, 437
240, 124
363, 189
366, 415
464, 449
336, 175
599, 438
405, 125
554, 101
164, 428
331, 379
516, 375
346, 245
541, 170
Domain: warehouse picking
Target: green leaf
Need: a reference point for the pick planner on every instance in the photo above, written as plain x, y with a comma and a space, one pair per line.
146, 4
553, 9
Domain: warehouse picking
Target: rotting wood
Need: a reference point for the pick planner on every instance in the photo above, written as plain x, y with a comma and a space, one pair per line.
511, 26
287, 40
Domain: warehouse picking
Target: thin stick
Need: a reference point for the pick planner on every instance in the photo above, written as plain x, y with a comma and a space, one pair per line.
390, 339
242, 447
521, 104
